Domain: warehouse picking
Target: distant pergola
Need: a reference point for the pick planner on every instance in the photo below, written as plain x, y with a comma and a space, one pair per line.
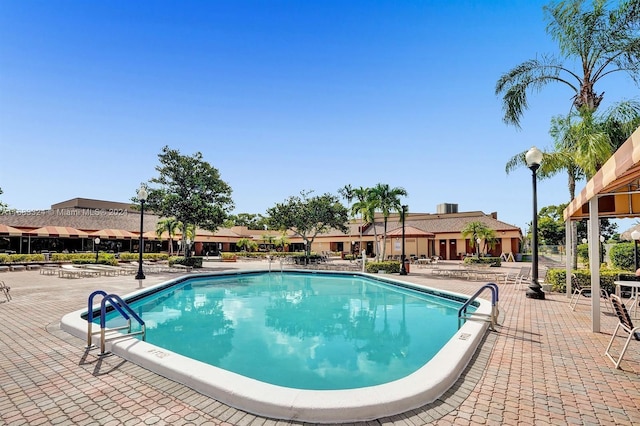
613, 192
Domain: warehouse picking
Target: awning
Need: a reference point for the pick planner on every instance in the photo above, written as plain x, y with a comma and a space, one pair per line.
113, 234
616, 184
613, 192
10, 231
58, 232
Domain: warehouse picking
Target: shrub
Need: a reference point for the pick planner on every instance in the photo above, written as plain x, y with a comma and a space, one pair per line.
128, 257
557, 278
583, 253
389, 266
621, 256
228, 255
23, 258
193, 261
491, 261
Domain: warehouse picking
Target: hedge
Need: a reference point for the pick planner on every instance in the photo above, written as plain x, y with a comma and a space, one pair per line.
557, 278
193, 261
492, 261
389, 266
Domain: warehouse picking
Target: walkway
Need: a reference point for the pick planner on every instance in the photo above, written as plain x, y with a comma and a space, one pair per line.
542, 366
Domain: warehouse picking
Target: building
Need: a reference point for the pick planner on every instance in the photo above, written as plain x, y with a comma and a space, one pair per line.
75, 224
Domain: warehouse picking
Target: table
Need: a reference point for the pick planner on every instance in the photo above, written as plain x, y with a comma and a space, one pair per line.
635, 287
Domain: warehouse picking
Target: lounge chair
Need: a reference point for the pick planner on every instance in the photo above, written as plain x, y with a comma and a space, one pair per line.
579, 290
626, 325
517, 277
5, 290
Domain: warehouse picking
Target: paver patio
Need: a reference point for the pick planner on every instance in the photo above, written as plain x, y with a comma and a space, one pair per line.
543, 365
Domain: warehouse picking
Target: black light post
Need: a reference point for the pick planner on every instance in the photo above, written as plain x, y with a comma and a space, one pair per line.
142, 196
534, 158
403, 270
601, 249
96, 241
635, 235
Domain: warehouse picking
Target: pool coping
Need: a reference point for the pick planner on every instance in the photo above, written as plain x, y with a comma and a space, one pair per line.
417, 389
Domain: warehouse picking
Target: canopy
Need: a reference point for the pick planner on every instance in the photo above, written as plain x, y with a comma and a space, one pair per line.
58, 232
613, 192
10, 231
113, 234
616, 185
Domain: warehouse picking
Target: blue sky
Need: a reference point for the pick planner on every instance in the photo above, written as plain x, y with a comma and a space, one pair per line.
279, 96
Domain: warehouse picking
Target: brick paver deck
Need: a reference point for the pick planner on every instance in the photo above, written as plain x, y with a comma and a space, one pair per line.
543, 365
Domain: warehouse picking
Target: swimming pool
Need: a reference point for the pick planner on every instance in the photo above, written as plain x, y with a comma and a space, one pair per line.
344, 397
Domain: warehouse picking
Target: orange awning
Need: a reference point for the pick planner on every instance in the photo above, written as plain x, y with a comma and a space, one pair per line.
616, 184
113, 234
10, 231
58, 232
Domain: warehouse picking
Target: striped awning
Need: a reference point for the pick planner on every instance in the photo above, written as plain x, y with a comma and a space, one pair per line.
10, 231
113, 234
616, 184
58, 232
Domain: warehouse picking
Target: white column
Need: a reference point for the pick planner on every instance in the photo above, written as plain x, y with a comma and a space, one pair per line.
594, 263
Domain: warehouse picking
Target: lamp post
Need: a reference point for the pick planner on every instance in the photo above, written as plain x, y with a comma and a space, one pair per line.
403, 270
142, 196
635, 235
534, 158
478, 240
96, 241
601, 249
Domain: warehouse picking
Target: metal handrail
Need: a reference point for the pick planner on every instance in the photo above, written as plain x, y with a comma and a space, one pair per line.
122, 307
494, 303
90, 316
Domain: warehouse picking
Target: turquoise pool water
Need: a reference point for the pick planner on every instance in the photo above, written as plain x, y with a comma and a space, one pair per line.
300, 330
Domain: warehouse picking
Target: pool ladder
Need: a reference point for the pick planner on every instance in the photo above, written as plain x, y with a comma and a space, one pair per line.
493, 317
119, 305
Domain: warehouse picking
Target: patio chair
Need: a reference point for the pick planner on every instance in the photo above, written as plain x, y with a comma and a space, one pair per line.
517, 277
579, 290
626, 325
5, 290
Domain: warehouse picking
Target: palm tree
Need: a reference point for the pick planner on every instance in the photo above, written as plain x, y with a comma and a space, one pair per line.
169, 225
360, 207
602, 41
389, 199
478, 230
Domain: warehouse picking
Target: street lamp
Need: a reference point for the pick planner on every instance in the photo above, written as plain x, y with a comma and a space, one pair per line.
142, 196
96, 241
635, 235
534, 158
403, 269
478, 240
601, 249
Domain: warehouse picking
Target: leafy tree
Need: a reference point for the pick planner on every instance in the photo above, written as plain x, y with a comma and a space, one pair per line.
4, 208
360, 206
309, 216
388, 200
601, 41
169, 225
477, 230
190, 190
281, 241
251, 221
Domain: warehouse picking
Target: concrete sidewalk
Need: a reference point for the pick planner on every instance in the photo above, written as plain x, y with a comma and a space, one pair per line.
542, 366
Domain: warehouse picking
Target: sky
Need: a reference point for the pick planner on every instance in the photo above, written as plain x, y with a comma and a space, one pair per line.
279, 96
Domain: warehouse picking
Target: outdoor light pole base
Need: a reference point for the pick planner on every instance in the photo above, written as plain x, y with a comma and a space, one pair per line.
535, 291
140, 276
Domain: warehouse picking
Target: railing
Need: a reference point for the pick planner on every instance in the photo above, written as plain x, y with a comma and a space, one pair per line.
119, 305
462, 312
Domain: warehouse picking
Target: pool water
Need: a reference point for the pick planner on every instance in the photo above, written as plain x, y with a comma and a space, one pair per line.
300, 330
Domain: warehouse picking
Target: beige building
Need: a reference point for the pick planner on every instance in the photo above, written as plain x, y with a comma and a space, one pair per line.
73, 225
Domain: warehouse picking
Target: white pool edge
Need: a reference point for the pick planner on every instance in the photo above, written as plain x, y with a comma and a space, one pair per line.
421, 387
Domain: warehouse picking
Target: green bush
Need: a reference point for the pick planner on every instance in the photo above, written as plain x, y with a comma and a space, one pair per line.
22, 258
389, 266
228, 255
193, 261
557, 278
583, 253
621, 256
103, 259
128, 257
491, 261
